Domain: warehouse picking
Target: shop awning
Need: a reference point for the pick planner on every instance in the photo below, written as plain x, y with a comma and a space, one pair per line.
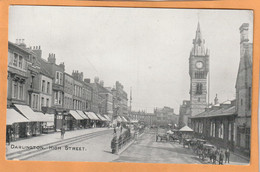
12, 116
51, 119
82, 114
94, 116
119, 119
29, 113
75, 115
43, 117
125, 120
107, 117
101, 117
89, 115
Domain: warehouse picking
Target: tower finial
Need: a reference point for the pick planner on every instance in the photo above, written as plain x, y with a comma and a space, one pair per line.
198, 27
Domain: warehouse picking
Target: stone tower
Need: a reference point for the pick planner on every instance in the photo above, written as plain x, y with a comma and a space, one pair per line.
198, 70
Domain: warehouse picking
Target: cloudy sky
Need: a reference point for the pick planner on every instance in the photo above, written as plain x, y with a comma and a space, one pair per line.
143, 48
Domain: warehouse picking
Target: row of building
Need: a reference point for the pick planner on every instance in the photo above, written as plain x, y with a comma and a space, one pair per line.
226, 124
37, 86
160, 117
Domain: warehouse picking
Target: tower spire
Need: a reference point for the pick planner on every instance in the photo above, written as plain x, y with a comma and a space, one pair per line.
198, 43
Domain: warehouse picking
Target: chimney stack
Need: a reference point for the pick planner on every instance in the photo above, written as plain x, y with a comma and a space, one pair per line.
51, 58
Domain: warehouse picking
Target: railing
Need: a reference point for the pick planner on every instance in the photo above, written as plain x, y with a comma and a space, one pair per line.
119, 142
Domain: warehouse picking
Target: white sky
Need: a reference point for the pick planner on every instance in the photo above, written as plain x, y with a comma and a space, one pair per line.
143, 48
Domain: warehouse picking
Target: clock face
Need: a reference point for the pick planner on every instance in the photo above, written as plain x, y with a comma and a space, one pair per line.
199, 64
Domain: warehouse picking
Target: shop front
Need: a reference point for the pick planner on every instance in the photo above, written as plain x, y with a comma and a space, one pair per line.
76, 119
34, 126
15, 125
84, 122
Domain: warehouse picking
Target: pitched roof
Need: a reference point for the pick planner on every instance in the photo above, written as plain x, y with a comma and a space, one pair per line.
220, 111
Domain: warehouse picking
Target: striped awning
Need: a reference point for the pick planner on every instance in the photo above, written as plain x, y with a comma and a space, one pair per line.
125, 120
75, 115
29, 113
44, 117
92, 116
107, 117
82, 114
101, 117
12, 116
119, 119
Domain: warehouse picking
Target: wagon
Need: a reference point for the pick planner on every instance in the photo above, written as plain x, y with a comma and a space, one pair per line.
187, 142
161, 135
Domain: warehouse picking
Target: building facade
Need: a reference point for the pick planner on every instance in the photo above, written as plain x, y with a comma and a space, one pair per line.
17, 75
217, 124
244, 92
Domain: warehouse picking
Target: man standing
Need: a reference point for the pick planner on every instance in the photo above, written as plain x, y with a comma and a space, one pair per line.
221, 157
227, 155
62, 130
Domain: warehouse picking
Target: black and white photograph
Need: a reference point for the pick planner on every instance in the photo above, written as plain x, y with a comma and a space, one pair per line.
136, 85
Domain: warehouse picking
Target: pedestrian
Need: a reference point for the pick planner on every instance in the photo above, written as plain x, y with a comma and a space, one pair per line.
227, 155
62, 130
215, 154
8, 136
114, 130
221, 158
121, 128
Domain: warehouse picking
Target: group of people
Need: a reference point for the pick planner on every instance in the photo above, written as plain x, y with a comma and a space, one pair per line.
215, 155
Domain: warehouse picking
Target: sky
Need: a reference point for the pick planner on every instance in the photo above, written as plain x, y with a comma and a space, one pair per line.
146, 49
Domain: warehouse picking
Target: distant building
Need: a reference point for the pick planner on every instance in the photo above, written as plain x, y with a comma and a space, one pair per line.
105, 98
184, 113
120, 99
143, 117
165, 116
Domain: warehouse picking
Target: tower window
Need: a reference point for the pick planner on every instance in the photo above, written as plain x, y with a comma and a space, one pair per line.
199, 88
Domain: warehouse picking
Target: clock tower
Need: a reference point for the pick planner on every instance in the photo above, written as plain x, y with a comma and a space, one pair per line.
198, 70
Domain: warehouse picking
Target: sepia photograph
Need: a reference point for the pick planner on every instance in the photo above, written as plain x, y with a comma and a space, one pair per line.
136, 85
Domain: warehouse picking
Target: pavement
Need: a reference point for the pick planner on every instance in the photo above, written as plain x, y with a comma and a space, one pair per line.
50, 138
94, 145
